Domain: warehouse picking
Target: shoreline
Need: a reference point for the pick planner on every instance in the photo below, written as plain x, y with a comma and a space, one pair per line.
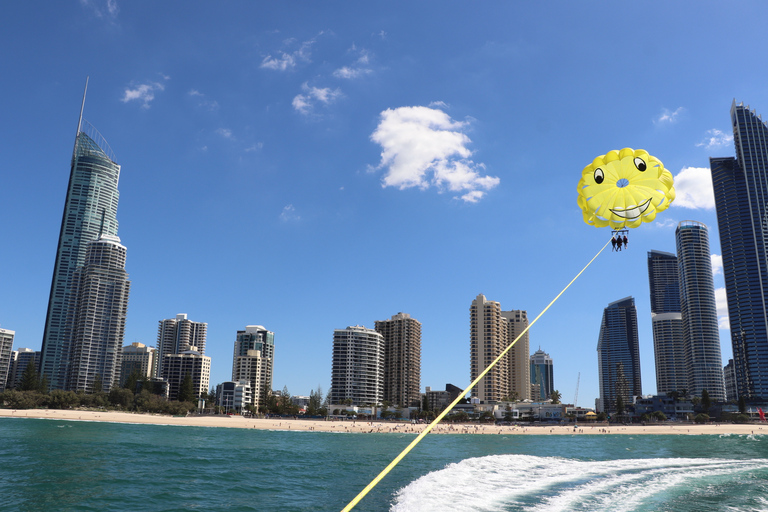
354, 426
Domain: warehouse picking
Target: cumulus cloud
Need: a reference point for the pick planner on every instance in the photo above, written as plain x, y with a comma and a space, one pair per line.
693, 188
721, 300
423, 147
289, 214
668, 117
717, 264
306, 101
143, 93
358, 69
285, 61
715, 139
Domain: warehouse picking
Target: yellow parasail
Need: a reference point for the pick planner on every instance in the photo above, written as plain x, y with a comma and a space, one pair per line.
624, 189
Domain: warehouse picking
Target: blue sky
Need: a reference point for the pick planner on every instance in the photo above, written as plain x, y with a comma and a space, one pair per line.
307, 166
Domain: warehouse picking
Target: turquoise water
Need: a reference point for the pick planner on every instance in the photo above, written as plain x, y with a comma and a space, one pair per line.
67, 465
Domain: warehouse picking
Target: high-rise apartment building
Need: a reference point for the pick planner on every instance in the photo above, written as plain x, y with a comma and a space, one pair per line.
667, 322
740, 186
177, 335
491, 330
487, 340
618, 355
90, 210
542, 374
192, 363
402, 359
97, 316
20, 359
729, 377
6, 351
357, 371
701, 335
253, 361
139, 358
519, 355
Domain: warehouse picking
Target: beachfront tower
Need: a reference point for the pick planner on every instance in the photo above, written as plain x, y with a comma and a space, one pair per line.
519, 355
542, 375
90, 210
402, 359
98, 312
177, 335
6, 356
487, 339
357, 372
253, 360
740, 186
701, 336
667, 322
618, 355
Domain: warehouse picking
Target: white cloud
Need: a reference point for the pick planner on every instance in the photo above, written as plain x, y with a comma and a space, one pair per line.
669, 117
721, 299
289, 214
351, 73
143, 93
202, 101
715, 139
287, 61
423, 147
717, 264
225, 132
693, 189
305, 102
254, 147
106, 9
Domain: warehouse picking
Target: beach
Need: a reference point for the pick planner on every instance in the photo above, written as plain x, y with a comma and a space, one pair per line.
356, 426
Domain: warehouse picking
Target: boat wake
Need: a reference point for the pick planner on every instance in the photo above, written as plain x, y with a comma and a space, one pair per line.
522, 482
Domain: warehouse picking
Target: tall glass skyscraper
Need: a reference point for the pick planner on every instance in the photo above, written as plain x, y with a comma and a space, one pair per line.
542, 374
741, 192
667, 322
618, 355
90, 210
701, 336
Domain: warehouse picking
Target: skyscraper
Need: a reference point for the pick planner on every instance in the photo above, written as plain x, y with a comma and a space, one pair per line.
519, 355
90, 210
487, 339
253, 360
701, 337
6, 359
177, 335
357, 371
667, 322
542, 374
740, 186
97, 316
402, 359
618, 355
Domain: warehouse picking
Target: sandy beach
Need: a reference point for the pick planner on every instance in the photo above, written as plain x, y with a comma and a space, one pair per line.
350, 426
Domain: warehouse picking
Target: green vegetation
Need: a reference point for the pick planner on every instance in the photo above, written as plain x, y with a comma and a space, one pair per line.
32, 393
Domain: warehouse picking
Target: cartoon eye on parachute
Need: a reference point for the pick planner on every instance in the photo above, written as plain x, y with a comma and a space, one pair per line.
623, 189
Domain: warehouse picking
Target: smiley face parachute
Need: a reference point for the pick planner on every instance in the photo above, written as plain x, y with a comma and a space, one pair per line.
624, 189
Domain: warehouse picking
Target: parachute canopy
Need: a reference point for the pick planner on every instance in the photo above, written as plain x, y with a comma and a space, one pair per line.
624, 189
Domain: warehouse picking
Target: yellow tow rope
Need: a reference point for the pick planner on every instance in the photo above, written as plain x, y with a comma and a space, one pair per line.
432, 425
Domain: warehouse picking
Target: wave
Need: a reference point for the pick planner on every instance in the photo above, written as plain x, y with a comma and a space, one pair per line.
523, 482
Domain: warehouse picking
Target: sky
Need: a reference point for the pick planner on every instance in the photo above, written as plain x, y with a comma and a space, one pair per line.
308, 166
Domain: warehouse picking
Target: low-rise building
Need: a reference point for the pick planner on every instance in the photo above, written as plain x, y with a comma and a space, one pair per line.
192, 362
235, 396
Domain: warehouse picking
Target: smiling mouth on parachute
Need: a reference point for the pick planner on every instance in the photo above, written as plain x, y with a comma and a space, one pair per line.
632, 213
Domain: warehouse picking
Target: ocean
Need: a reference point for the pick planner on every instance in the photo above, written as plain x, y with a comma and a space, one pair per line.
52, 465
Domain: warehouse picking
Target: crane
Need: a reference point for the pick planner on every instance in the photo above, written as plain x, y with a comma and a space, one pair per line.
576, 395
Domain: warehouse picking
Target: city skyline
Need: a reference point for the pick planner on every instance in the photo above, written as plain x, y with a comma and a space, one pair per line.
275, 151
